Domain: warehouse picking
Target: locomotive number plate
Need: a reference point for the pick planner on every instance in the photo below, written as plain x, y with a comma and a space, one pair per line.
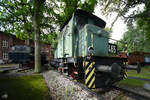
112, 48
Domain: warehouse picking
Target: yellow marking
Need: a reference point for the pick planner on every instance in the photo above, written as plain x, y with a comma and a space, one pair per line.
90, 75
126, 72
85, 63
84, 47
90, 66
93, 86
87, 70
92, 39
85, 34
91, 82
125, 75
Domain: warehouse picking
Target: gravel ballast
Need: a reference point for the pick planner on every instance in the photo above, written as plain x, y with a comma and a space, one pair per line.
62, 88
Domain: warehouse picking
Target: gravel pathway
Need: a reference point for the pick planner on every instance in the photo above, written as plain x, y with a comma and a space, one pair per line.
62, 88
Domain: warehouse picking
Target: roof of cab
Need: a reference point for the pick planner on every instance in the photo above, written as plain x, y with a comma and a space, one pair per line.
101, 23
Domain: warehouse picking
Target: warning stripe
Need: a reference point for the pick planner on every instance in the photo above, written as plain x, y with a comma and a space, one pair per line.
92, 81
88, 67
125, 75
86, 64
89, 74
89, 81
93, 85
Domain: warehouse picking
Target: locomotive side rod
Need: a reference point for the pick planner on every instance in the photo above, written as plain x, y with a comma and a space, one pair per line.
132, 93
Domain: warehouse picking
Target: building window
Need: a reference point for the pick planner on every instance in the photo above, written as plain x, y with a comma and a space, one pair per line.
5, 56
4, 43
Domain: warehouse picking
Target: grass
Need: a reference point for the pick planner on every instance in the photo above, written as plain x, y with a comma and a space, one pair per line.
31, 87
145, 73
132, 83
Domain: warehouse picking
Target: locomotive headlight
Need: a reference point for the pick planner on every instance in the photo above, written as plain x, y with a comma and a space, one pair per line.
90, 50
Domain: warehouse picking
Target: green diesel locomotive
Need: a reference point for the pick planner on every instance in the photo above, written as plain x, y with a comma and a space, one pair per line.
83, 52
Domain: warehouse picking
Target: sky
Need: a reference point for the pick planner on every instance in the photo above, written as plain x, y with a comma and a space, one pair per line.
119, 27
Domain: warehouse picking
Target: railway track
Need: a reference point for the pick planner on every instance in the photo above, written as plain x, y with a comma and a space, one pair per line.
133, 94
138, 78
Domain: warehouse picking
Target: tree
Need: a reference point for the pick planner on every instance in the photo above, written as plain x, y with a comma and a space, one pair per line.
16, 18
38, 7
135, 39
68, 7
123, 10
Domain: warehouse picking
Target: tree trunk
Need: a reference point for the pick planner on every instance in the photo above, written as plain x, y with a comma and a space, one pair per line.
36, 23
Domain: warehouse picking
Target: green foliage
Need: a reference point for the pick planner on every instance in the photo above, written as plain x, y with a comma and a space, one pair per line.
136, 40
16, 17
124, 9
68, 7
144, 25
121, 45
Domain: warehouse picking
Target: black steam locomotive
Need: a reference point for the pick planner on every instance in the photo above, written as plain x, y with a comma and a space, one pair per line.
24, 55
